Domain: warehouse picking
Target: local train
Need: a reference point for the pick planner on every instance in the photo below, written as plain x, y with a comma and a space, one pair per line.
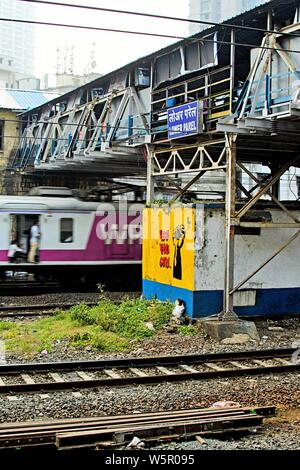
79, 240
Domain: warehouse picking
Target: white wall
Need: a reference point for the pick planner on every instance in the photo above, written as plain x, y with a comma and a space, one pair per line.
251, 251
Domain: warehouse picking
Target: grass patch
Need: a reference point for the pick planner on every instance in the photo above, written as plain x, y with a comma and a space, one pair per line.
187, 330
129, 319
107, 327
6, 325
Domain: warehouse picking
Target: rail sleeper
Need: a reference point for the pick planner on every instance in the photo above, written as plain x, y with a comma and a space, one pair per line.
56, 377
111, 374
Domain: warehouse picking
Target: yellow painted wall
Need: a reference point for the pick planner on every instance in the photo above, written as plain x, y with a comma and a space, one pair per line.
168, 246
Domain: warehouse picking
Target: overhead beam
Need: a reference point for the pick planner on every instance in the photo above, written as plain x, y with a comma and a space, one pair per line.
268, 126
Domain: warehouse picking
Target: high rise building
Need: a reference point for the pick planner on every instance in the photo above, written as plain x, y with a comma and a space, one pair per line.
217, 11
17, 42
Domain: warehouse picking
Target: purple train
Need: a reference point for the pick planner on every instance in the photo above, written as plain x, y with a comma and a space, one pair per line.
78, 239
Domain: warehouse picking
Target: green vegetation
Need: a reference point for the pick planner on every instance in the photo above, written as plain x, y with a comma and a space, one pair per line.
107, 327
187, 330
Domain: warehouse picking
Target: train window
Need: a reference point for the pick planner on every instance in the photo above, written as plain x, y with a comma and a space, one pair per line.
66, 230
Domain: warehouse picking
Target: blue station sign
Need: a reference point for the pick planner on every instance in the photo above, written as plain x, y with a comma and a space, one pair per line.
183, 120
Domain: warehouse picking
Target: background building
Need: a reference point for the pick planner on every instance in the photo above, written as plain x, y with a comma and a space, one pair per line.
217, 10
17, 44
12, 103
65, 82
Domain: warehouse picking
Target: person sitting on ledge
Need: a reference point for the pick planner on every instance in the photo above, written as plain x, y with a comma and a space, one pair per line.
15, 253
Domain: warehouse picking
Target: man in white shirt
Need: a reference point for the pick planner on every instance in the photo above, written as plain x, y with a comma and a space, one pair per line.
15, 252
34, 242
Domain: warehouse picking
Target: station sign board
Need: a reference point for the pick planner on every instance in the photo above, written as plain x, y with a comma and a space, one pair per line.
183, 120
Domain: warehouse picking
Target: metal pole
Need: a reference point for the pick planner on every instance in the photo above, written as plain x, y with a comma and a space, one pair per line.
232, 71
252, 75
150, 179
228, 313
269, 21
268, 75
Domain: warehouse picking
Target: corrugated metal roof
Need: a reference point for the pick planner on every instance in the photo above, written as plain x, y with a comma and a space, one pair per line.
23, 100
247, 18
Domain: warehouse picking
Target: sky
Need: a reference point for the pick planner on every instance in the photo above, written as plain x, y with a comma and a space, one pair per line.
111, 50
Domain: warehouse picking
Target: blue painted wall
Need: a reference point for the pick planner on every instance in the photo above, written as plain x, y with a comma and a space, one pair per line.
203, 303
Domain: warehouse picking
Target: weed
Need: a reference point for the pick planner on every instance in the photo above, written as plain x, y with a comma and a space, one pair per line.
81, 314
6, 325
109, 342
187, 330
106, 326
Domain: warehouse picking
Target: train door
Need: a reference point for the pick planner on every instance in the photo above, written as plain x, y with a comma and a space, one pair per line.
20, 225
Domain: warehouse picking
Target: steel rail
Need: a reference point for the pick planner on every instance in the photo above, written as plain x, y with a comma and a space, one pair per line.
45, 430
68, 423
86, 431
156, 431
22, 284
125, 364
145, 361
122, 381
150, 432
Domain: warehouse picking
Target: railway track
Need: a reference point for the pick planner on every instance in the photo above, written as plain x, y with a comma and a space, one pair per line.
36, 310
39, 377
115, 431
18, 287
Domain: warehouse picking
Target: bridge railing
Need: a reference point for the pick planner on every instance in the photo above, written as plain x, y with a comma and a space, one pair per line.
213, 89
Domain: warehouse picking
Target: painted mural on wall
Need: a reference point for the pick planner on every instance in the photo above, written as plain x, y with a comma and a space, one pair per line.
168, 246
178, 241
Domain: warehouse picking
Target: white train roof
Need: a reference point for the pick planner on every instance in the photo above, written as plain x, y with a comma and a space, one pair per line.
38, 203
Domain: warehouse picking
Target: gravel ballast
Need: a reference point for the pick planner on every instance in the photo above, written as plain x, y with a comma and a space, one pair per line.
282, 390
